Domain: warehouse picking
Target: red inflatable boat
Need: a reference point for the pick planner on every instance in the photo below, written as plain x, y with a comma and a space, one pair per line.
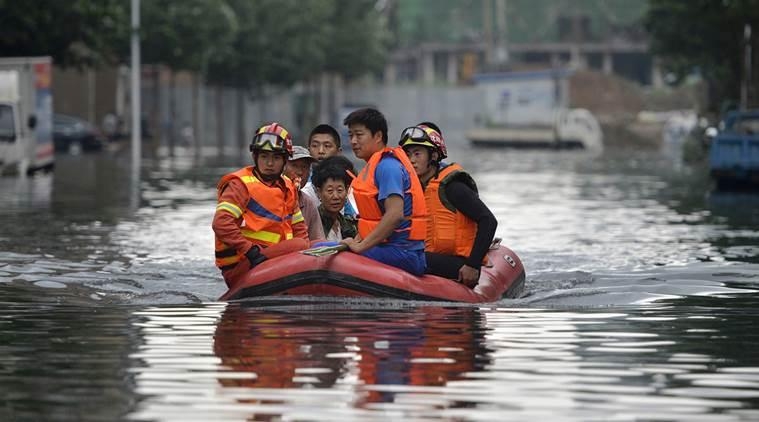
349, 274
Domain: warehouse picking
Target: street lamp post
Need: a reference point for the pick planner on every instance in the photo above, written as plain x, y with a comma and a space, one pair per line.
136, 112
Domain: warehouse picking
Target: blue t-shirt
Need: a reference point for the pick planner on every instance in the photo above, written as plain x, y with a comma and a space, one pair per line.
348, 210
388, 183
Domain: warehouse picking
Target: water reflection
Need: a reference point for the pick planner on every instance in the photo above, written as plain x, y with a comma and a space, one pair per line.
282, 360
24, 193
63, 363
275, 360
318, 348
95, 186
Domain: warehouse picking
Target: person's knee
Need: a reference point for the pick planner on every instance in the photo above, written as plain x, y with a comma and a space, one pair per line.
419, 265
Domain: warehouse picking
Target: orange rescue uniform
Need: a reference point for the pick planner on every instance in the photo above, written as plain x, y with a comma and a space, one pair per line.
251, 213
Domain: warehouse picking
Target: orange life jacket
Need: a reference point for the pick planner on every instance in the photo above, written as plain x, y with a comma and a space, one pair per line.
449, 232
267, 217
365, 193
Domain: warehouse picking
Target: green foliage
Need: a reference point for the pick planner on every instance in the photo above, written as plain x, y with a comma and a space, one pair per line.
241, 43
358, 38
75, 33
703, 34
280, 42
526, 20
184, 34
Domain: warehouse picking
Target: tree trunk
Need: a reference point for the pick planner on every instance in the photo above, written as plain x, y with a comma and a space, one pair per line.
324, 98
171, 126
241, 136
155, 115
338, 99
219, 121
196, 115
309, 106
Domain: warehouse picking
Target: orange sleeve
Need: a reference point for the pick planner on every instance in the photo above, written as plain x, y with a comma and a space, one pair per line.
225, 225
300, 229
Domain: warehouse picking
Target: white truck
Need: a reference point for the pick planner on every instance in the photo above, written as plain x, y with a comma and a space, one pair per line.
26, 115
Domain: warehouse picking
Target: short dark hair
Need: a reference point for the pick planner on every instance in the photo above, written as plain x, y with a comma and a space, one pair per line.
325, 129
431, 126
335, 167
372, 118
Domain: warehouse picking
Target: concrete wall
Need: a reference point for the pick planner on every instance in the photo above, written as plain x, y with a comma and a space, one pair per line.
454, 109
89, 94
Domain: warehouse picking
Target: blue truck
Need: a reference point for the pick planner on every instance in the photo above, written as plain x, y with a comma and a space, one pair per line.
734, 150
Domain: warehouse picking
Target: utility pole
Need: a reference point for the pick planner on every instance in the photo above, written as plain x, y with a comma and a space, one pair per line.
136, 112
501, 48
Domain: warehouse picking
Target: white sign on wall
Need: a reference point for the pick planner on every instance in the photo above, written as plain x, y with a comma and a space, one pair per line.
522, 98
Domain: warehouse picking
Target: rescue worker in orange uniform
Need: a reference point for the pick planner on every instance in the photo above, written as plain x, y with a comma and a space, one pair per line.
460, 227
392, 219
257, 216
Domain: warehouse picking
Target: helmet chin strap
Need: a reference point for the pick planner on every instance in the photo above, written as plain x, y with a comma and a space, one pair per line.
268, 177
434, 162
433, 165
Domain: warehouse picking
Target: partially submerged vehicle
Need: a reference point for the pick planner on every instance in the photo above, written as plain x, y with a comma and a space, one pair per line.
26, 113
530, 109
734, 149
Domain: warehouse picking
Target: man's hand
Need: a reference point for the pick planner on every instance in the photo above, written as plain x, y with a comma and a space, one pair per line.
469, 276
353, 244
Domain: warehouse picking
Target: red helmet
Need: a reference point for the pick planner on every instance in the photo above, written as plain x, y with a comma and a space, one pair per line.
272, 137
424, 136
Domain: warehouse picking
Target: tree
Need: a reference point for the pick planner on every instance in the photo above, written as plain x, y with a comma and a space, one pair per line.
182, 35
279, 43
76, 33
705, 35
359, 38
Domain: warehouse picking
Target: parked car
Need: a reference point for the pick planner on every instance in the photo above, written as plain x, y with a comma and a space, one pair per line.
734, 150
72, 134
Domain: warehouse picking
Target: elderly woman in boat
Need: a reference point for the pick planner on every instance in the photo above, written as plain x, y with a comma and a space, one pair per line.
332, 179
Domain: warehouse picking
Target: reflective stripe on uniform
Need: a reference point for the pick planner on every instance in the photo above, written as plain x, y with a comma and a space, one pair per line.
298, 217
227, 261
260, 211
265, 236
230, 208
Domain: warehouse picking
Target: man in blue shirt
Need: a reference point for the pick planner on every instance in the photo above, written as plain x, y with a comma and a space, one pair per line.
392, 213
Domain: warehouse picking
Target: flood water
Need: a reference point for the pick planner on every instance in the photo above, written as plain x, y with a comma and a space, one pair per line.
640, 303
